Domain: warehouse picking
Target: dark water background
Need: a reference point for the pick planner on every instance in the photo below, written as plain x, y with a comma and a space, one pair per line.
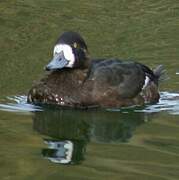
128, 143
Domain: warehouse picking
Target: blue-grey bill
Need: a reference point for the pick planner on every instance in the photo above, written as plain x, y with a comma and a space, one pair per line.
58, 62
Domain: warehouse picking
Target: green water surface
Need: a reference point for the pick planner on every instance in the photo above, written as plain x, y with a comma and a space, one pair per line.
110, 144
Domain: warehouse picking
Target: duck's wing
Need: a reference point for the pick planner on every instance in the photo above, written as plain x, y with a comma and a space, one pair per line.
124, 79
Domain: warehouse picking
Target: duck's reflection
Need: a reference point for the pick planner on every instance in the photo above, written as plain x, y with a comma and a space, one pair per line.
69, 131
64, 151
58, 151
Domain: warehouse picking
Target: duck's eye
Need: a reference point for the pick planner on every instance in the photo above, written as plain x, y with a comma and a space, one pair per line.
75, 45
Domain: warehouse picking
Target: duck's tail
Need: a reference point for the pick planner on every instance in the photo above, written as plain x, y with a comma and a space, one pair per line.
156, 75
150, 91
160, 74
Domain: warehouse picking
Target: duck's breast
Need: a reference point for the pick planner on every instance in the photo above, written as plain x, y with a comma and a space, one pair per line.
59, 87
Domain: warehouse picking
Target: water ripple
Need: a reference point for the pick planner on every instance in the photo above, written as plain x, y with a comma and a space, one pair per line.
19, 104
168, 102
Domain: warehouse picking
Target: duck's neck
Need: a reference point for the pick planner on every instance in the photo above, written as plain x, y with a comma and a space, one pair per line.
87, 63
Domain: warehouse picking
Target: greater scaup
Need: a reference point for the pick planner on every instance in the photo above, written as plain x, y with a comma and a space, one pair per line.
75, 80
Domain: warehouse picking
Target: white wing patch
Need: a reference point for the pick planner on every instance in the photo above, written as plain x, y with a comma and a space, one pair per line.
147, 80
68, 53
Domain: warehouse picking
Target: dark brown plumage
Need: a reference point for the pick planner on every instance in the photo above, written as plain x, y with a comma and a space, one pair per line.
94, 83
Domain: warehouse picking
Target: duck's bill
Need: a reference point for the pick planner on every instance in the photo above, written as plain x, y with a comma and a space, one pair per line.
58, 62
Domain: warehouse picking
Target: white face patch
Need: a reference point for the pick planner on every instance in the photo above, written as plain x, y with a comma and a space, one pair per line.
67, 51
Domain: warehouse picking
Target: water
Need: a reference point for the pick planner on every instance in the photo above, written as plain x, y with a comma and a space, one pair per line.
55, 143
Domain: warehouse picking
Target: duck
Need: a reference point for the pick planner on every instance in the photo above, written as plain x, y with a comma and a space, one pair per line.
74, 79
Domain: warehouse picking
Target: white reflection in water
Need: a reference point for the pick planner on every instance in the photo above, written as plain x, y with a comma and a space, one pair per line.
168, 102
19, 104
58, 151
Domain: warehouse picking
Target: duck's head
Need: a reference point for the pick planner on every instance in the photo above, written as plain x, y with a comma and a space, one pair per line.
70, 51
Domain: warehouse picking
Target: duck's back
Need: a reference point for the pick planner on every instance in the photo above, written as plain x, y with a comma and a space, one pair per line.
127, 78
